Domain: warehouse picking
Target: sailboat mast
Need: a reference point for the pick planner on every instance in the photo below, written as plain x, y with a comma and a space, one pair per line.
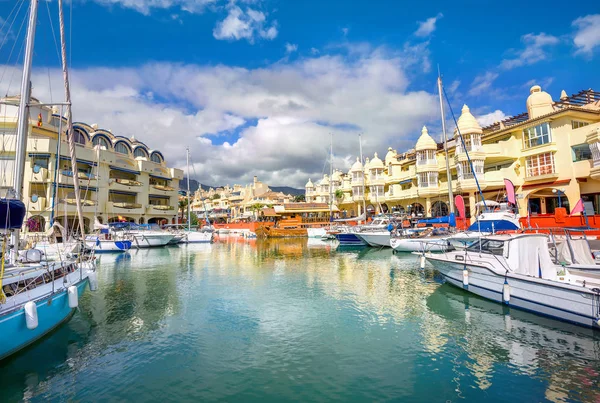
23, 120
363, 177
330, 179
189, 213
448, 173
70, 135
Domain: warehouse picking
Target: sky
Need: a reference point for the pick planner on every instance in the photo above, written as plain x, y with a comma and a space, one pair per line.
261, 87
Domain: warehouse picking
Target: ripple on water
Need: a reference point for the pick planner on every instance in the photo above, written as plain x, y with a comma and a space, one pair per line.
287, 320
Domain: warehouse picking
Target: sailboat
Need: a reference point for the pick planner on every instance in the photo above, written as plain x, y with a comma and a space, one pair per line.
35, 296
193, 236
321, 232
105, 241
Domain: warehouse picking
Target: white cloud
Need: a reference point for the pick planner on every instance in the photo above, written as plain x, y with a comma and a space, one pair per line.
314, 51
275, 119
427, 27
146, 6
587, 36
482, 83
290, 47
492, 117
247, 25
535, 50
345, 31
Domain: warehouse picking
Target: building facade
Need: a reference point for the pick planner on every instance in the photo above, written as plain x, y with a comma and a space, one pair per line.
120, 179
551, 153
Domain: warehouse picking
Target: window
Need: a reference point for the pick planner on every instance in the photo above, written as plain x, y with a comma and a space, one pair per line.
41, 162
357, 191
488, 246
427, 179
156, 158
406, 186
100, 141
541, 164
78, 137
465, 172
575, 124
426, 157
472, 143
581, 152
537, 135
357, 177
140, 152
121, 148
376, 191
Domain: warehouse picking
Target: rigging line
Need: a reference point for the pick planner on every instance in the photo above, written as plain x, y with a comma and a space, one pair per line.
53, 32
15, 67
12, 50
465, 147
11, 24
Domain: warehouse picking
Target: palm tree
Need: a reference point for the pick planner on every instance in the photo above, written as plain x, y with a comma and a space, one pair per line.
256, 207
183, 202
299, 198
339, 194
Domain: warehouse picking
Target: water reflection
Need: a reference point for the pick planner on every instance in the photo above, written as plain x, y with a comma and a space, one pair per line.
296, 319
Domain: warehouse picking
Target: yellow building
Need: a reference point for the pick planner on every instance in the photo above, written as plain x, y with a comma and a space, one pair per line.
551, 153
119, 178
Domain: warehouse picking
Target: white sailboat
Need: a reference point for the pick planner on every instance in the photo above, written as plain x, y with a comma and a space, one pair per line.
189, 235
35, 296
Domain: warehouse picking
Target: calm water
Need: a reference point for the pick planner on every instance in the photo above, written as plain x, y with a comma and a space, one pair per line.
290, 320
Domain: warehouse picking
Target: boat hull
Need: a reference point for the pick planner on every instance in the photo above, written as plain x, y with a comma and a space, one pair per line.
151, 240
316, 232
106, 246
567, 303
419, 245
376, 239
349, 239
197, 237
52, 311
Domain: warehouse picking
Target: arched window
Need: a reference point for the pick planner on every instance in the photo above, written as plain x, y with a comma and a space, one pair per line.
78, 137
101, 141
156, 158
121, 148
140, 152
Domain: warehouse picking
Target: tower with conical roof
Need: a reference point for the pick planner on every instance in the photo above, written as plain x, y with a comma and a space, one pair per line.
309, 191
470, 143
427, 164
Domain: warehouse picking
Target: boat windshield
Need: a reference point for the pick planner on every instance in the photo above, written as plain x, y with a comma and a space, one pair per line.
493, 246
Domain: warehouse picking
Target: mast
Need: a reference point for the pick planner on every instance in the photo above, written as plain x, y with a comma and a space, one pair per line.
330, 180
56, 165
70, 136
189, 214
448, 173
23, 120
363, 177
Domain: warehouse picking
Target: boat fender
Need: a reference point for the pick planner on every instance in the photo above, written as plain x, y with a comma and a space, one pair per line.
465, 277
422, 261
31, 316
506, 292
93, 280
73, 297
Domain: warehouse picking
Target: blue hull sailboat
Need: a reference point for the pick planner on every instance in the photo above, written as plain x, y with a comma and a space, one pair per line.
35, 295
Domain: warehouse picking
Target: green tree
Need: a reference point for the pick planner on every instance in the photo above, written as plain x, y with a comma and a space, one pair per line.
255, 208
339, 194
216, 196
183, 203
299, 198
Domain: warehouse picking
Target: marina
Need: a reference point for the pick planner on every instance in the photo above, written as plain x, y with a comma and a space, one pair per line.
296, 319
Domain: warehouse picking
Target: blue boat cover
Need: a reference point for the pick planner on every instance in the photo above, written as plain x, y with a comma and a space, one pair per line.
12, 213
448, 219
493, 226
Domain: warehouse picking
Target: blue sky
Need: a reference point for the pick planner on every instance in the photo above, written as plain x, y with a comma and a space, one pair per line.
256, 86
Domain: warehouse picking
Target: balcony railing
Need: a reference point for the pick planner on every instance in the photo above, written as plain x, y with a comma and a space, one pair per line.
427, 162
162, 207
127, 182
127, 205
164, 188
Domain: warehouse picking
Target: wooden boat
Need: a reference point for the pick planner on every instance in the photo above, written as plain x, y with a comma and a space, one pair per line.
271, 232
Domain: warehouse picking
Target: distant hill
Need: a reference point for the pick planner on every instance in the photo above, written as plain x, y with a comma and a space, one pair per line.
194, 185
287, 190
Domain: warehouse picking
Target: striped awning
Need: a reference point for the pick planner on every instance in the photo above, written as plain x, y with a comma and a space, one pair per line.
86, 162
131, 171
405, 181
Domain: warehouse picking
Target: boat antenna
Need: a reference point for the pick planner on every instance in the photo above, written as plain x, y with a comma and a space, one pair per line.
23, 121
448, 172
70, 134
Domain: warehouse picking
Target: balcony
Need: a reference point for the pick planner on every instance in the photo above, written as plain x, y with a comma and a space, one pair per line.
164, 188
124, 184
430, 165
42, 176
431, 189
70, 205
125, 207
160, 208
66, 178
358, 181
358, 198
